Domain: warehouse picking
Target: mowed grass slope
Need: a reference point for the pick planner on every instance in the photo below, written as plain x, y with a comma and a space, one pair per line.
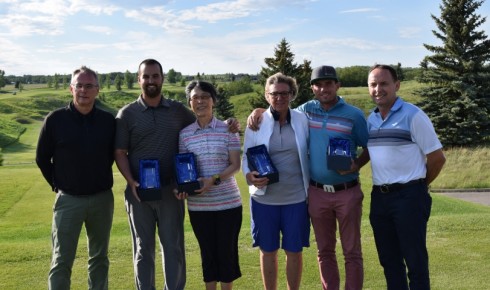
457, 237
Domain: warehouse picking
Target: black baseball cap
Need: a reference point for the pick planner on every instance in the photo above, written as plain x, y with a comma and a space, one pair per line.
324, 72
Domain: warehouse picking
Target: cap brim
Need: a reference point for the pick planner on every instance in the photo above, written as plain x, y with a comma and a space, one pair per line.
326, 78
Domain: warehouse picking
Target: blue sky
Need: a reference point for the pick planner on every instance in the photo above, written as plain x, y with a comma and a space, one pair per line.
211, 37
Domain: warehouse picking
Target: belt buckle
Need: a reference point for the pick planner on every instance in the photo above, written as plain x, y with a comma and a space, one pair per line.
328, 188
384, 188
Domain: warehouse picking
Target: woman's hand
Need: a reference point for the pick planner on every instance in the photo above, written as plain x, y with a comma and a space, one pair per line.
259, 182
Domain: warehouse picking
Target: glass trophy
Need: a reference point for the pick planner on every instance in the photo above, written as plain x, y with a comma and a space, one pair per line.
259, 160
149, 180
338, 154
186, 173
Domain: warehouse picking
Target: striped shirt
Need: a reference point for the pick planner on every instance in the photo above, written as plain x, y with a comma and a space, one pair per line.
398, 145
211, 146
341, 121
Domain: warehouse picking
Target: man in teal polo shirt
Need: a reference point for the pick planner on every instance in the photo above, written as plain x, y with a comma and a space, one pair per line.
335, 196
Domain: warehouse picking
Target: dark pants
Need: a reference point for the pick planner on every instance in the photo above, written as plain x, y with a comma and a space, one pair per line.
217, 233
399, 220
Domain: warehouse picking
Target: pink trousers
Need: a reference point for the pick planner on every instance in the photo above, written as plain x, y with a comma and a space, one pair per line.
326, 209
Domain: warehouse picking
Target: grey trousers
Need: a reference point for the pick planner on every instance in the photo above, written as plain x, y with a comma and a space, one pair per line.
69, 214
166, 218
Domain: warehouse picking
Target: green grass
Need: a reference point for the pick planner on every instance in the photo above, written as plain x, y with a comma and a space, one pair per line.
457, 239
458, 236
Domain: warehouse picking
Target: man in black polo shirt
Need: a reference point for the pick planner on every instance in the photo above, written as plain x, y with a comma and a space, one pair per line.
75, 156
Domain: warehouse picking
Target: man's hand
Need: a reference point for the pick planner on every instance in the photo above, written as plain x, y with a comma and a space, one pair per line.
354, 167
255, 118
233, 125
134, 185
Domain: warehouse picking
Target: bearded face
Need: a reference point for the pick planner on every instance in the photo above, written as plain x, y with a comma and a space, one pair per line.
152, 90
151, 80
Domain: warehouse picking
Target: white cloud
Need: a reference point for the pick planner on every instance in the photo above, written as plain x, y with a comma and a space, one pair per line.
26, 18
17, 25
360, 10
160, 17
48, 7
409, 32
98, 29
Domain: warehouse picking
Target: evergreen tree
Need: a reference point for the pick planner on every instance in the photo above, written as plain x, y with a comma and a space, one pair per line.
223, 108
56, 81
65, 82
2, 79
283, 61
458, 76
118, 82
50, 82
101, 81
128, 80
303, 77
108, 81
399, 72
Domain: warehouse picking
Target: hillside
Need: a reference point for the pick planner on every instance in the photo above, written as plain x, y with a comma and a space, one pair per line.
21, 116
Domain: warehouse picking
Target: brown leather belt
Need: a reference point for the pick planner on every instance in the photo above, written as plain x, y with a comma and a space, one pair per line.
386, 188
335, 187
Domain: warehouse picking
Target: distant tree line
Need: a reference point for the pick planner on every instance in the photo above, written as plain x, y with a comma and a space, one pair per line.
352, 76
456, 74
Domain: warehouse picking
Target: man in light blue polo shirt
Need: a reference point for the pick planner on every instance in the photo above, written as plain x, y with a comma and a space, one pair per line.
406, 156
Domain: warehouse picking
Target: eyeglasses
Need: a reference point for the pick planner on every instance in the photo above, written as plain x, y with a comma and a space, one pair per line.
277, 95
201, 98
78, 86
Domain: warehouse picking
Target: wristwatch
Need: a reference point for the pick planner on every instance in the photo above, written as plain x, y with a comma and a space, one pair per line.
217, 179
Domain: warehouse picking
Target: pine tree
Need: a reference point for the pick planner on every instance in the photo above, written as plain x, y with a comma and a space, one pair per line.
303, 79
2, 79
108, 81
283, 61
223, 107
118, 82
128, 79
458, 76
399, 72
65, 82
56, 81
101, 81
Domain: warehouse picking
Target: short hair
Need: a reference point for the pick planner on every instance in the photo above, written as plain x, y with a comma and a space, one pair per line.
203, 85
280, 78
150, 61
387, 67
84, 69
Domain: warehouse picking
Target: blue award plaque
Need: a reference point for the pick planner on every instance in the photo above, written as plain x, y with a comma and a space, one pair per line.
259, 160
149, 180
186, 173
338, 154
